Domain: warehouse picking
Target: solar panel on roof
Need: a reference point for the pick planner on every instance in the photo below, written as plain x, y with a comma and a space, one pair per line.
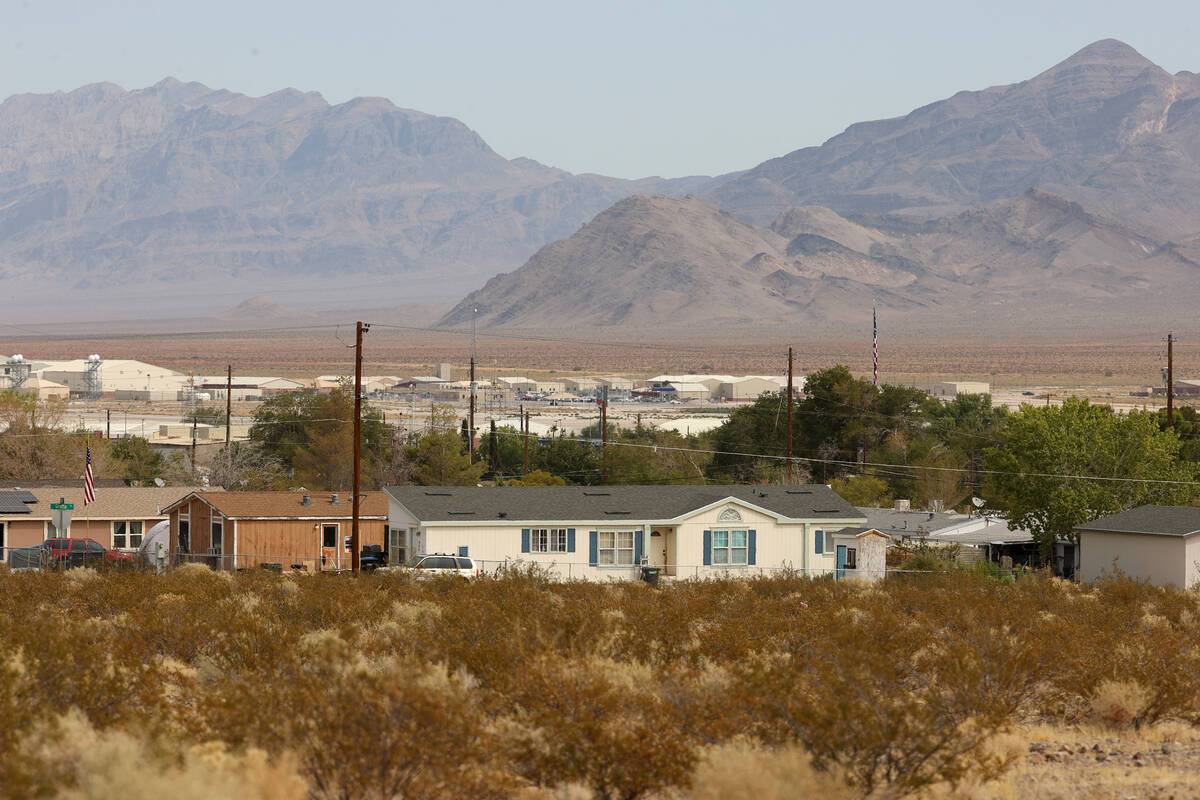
14, 503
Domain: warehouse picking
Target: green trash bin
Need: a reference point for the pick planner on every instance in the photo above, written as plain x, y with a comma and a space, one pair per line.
650, 575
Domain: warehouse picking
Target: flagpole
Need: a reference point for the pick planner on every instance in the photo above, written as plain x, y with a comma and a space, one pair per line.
874, 345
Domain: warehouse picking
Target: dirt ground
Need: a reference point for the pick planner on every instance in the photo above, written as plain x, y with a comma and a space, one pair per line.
1091, 762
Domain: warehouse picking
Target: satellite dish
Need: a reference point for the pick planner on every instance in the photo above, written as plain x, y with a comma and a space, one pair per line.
159, 482
977, 502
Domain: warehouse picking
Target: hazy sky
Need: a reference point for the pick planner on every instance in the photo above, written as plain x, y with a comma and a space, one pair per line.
612, 86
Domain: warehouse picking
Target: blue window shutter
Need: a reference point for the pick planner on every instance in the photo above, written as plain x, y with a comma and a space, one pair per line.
820, 537
524, 540
462, 550
593, 549
638, 546
570, 540
751, 549
707, 548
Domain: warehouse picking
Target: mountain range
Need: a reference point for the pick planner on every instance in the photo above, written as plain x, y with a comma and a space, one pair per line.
1068, 200
1072, 195
194, 198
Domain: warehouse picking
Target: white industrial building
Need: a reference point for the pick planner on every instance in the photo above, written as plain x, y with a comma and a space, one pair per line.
955, 388
93, 376
723, 387
246, 387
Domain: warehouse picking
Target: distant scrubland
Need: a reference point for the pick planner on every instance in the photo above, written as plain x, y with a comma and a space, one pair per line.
198, 684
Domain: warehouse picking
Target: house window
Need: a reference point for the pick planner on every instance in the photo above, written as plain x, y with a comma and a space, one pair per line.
329, 536
851, 558
819, 537
549, 540
614, 547
185, 536
215, 544
397, 545
729, 546
127, 535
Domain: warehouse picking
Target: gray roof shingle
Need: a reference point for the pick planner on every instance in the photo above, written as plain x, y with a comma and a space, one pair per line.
1148, 521
550, 503
13, 501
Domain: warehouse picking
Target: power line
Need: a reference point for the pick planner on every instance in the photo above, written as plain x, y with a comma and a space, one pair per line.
843, 462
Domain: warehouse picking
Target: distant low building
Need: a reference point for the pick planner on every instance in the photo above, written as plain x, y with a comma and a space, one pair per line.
246, 387
43, 389
955, 388
616, 385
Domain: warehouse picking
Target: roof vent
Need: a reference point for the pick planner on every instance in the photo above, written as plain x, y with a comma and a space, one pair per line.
306, 500
503, 514
438, 494
597, 494
903, 505
333, 500
798, 491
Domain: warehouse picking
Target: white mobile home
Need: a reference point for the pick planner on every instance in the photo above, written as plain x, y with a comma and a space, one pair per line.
609, 532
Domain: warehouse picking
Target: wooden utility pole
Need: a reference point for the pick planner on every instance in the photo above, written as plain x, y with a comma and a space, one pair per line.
1170, 380
228, 403
525, 432
355, 556
108, 423
789, 418
603, 436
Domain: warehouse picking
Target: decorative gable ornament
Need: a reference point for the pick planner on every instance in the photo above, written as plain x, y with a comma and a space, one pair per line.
729, 514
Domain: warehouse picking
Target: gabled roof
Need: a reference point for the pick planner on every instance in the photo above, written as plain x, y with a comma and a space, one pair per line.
112, 503
275, 505
859, 533
1179, 521
616, 503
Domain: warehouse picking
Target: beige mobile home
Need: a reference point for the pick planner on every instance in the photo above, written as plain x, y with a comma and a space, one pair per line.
610, 532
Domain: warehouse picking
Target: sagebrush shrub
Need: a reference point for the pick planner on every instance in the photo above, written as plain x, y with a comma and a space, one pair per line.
382, 686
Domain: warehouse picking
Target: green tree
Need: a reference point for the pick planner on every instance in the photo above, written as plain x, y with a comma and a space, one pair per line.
750, 443
281, 423
568, 457
537, 477
508, 447
1060, 466
313, 435
205, 415
133, 459
1187, 428
33, 443
863, 490
646, 455
440, 457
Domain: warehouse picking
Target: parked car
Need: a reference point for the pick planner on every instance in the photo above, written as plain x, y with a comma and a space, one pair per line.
67, 553
440, 564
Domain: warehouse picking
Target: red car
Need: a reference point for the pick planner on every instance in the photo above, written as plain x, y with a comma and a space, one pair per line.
80, 552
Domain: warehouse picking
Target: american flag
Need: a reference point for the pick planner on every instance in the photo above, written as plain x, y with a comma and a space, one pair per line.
89, 482
874, 346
